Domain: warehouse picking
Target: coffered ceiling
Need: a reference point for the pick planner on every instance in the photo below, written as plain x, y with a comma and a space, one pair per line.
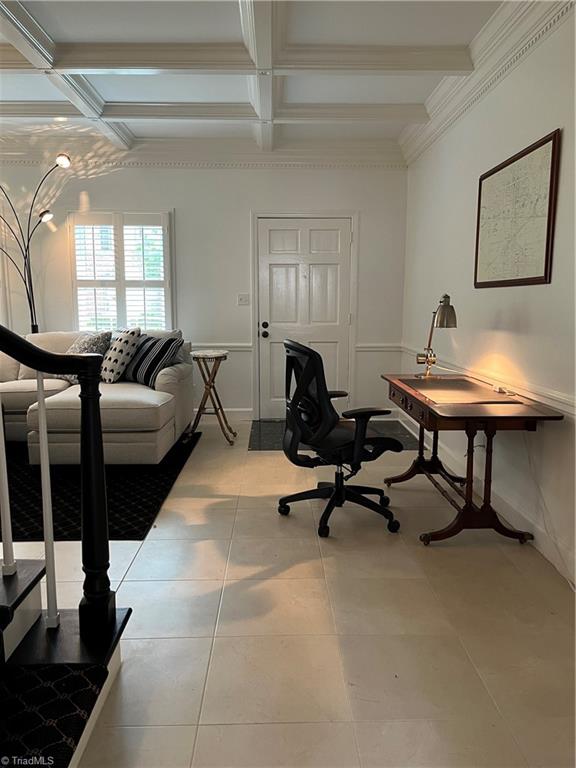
271, 76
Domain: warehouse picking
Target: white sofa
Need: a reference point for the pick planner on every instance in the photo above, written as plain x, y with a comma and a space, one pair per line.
139, 424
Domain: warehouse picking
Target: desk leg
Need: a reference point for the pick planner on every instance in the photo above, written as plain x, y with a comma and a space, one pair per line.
421, 465
471, 516
487, 510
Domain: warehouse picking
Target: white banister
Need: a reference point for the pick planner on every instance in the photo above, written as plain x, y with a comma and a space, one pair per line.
52, 615
8, 562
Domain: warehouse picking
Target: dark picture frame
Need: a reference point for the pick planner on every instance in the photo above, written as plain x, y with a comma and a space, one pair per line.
516, 216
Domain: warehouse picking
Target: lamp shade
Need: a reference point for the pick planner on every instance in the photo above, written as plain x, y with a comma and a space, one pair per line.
63, 160
445, 314
46, 216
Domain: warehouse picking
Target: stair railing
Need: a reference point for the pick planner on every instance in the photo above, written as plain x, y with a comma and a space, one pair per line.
97, 609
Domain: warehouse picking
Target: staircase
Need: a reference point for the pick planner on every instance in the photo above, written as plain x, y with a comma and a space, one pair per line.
56, 668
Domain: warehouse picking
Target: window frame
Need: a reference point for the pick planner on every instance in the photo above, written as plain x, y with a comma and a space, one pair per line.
118, 221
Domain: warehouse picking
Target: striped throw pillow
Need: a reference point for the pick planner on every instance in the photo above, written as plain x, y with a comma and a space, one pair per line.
151, 357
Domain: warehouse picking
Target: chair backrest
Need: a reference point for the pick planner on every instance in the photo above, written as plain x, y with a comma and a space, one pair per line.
310, 415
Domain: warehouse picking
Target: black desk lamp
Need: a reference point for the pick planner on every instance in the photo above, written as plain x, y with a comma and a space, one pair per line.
444, 316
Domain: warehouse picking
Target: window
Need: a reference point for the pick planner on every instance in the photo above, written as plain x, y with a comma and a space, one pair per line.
121, 270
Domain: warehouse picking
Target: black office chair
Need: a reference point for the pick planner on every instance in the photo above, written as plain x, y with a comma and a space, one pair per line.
313, 424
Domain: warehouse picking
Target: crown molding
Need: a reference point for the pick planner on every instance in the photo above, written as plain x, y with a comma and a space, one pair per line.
511, 34
89, 154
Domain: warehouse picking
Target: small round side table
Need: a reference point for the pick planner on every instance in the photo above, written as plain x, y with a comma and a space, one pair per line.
209, 361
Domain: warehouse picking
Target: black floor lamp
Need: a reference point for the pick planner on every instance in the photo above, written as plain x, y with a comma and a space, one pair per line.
23, 238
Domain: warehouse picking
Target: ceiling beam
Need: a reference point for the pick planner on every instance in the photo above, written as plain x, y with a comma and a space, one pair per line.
23, 32
256, 22
373, 59
118, 110
12, 61
47, 109
32, 42
152, 58
351, 113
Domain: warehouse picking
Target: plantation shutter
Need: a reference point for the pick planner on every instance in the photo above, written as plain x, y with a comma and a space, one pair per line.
121, 271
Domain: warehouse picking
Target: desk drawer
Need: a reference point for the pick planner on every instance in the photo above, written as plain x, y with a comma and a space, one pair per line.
408, 404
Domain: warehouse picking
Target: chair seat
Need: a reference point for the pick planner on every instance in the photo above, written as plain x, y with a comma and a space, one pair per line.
338, 446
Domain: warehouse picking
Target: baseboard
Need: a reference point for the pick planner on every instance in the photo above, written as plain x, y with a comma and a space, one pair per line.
237, 414
562, 559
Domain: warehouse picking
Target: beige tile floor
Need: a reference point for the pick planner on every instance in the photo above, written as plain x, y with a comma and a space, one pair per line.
254, 644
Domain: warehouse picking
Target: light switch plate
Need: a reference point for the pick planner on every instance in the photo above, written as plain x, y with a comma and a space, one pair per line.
243, 299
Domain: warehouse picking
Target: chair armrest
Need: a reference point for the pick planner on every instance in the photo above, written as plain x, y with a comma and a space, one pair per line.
365, 413
334, 393
362, 416
171, 376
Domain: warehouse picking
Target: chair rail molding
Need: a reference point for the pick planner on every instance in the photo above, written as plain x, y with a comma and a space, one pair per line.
510, 35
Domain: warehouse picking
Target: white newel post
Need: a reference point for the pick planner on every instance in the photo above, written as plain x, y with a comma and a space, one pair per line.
52, 615
8, 562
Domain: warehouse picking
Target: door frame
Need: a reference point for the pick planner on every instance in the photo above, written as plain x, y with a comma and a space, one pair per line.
255, 216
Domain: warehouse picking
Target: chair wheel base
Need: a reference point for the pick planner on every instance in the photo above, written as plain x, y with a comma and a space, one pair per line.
283, 509
324, 531
393, 526
384, 501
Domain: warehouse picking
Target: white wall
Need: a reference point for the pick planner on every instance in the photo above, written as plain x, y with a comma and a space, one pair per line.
213, 252
520, 335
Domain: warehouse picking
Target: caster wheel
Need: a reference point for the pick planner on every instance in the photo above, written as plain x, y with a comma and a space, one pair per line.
324, 531
425, 539
387, 483
384, 501
283, 509
393, 526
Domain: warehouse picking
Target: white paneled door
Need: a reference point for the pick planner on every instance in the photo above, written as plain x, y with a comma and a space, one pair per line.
304, 295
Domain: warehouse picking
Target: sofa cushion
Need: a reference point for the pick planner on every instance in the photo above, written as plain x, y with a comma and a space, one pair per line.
54, 341
8, 367
18, 395
121, 351
124, 407
151, 357
95, 343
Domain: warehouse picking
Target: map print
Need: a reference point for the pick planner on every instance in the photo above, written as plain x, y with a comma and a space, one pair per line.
513, 219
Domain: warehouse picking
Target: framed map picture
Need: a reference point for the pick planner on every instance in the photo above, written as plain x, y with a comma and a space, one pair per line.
516, 210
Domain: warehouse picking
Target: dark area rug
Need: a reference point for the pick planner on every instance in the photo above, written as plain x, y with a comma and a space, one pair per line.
46, 708
267, 434
135, 494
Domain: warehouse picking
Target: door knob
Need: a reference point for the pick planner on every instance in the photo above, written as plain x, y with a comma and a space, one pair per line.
264, 324
265, 334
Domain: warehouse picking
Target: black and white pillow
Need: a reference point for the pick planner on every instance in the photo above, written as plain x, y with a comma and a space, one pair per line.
151, 357
121, 351
88, 342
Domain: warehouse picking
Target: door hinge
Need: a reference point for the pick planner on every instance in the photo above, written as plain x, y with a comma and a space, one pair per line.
350, 318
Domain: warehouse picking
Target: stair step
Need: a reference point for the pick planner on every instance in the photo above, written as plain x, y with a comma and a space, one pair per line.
16, 588
63, 645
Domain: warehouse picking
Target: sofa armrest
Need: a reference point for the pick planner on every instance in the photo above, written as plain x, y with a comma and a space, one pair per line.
170, 377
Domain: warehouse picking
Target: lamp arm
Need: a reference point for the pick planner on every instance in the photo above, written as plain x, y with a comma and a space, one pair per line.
429, 344
17, 268
42, 180
15, 236
15, 214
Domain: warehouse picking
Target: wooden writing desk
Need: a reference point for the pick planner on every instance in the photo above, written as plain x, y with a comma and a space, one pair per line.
464, 404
